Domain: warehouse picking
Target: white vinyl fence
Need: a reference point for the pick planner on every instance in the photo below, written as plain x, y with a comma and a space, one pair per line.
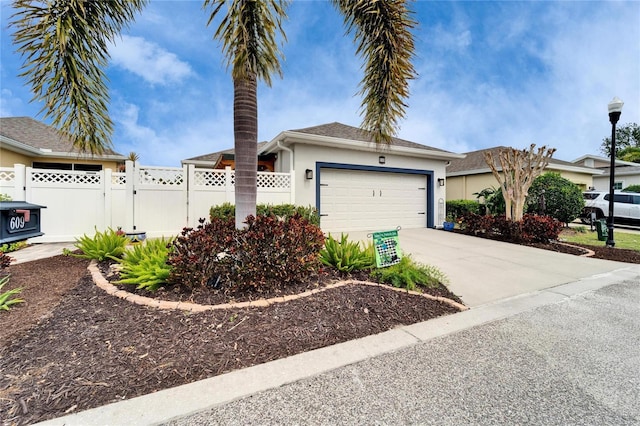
157, 200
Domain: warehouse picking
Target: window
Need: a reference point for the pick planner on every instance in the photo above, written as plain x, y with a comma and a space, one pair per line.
617, 186
68, 166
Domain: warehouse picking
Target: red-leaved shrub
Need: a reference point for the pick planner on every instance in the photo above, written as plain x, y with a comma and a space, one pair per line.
269, 252
532, 228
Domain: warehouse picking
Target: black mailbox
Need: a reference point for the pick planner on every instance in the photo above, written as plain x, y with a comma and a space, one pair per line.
19, 220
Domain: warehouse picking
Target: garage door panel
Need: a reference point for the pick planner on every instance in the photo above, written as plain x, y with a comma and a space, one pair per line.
367, 200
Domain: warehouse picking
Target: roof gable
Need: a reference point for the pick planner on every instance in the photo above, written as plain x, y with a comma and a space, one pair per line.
38, 135
342, 131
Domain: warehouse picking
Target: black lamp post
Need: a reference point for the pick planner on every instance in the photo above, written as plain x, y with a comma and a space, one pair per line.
615, 108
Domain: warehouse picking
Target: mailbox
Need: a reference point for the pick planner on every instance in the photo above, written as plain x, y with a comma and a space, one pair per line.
19, 220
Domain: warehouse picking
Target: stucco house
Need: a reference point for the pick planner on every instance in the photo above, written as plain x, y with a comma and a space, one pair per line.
627, 173
471, 174
32, 143
354, 183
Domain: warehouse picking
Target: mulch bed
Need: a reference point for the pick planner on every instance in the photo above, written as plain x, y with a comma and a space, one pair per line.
72, 347
87, 348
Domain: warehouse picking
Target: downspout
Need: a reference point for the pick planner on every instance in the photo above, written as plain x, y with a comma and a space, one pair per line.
292, 173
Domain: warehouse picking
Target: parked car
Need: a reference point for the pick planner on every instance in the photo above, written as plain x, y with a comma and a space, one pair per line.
626, 206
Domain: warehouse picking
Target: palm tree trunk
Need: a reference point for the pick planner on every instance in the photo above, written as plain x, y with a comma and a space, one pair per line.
245, 132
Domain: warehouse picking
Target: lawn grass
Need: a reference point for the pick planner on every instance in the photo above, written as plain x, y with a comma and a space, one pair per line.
623, 239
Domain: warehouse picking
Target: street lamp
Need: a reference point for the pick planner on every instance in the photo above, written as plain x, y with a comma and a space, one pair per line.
615, 108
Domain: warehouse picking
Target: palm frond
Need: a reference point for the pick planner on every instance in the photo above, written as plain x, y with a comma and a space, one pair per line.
65, 50
248, 34
383, 35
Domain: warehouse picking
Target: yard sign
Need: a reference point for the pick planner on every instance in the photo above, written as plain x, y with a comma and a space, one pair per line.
387, 245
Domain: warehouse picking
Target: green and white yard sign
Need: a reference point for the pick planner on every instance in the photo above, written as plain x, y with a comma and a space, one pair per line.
387, 246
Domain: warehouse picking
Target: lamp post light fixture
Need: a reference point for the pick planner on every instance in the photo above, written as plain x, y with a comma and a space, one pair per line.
615, 109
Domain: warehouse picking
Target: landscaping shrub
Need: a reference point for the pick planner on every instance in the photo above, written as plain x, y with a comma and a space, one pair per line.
493, 200
102, 246
475, 224
269, 252
145, 265
410, 274
540, 229
196, 253
5, 260
227, 210
9, 247
458, 208
563, 199
347, 256
632, 188
532, 228
5, 197
6, 298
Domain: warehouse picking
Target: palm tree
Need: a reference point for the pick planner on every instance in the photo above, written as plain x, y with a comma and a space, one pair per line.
65, 41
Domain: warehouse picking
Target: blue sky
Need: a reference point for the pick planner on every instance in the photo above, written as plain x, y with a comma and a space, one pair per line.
490, 73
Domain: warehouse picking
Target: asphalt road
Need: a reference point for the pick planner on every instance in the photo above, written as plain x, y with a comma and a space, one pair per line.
575, 362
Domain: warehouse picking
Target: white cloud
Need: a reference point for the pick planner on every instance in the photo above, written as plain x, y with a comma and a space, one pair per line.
148, 60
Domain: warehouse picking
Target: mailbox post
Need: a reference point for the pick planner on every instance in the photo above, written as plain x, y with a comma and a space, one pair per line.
19, 221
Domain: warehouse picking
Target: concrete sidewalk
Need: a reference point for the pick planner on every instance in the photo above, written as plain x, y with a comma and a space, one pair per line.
498, 280
39, 251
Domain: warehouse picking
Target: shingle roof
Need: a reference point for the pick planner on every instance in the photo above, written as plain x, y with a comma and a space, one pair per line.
474, 161
342, 131
36, 134
333, 130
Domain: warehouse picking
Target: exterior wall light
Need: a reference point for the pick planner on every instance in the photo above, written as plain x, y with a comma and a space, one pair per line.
440, 182
382, 159
308, 174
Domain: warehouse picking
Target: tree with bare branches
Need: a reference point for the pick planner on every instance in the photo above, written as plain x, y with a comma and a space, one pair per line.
519, 169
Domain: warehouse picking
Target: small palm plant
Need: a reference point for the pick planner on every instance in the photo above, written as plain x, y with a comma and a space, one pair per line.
6, 298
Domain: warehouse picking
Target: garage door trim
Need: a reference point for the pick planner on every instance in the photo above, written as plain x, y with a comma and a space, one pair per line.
427, 173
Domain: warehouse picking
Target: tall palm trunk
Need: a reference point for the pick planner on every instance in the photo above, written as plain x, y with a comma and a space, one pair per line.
245, 131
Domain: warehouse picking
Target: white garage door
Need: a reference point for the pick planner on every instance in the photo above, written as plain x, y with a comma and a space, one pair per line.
353, 200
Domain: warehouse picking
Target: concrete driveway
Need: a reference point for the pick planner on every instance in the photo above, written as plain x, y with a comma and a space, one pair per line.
483, 271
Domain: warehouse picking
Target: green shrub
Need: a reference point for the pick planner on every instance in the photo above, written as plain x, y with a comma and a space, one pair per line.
145, 265
103, 245
493, 200
563, 199
268, 253
410, 274
458, 208
347, 256
228, 210
9, 247
6, 299
632, 188
5, 197
223, 211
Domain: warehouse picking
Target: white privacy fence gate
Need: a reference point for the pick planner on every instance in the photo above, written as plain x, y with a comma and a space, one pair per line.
157, 200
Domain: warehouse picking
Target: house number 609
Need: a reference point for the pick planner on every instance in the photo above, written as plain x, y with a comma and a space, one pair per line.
16, 222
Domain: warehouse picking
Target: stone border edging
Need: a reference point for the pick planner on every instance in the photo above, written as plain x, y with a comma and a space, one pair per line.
102, 282
588, 252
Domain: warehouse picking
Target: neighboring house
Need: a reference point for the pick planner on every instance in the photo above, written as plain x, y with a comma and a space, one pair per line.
32, 143
222, 159
354, 183
470, 175
627, 173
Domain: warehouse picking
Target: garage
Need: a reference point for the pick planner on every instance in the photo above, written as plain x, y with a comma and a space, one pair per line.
372, 199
